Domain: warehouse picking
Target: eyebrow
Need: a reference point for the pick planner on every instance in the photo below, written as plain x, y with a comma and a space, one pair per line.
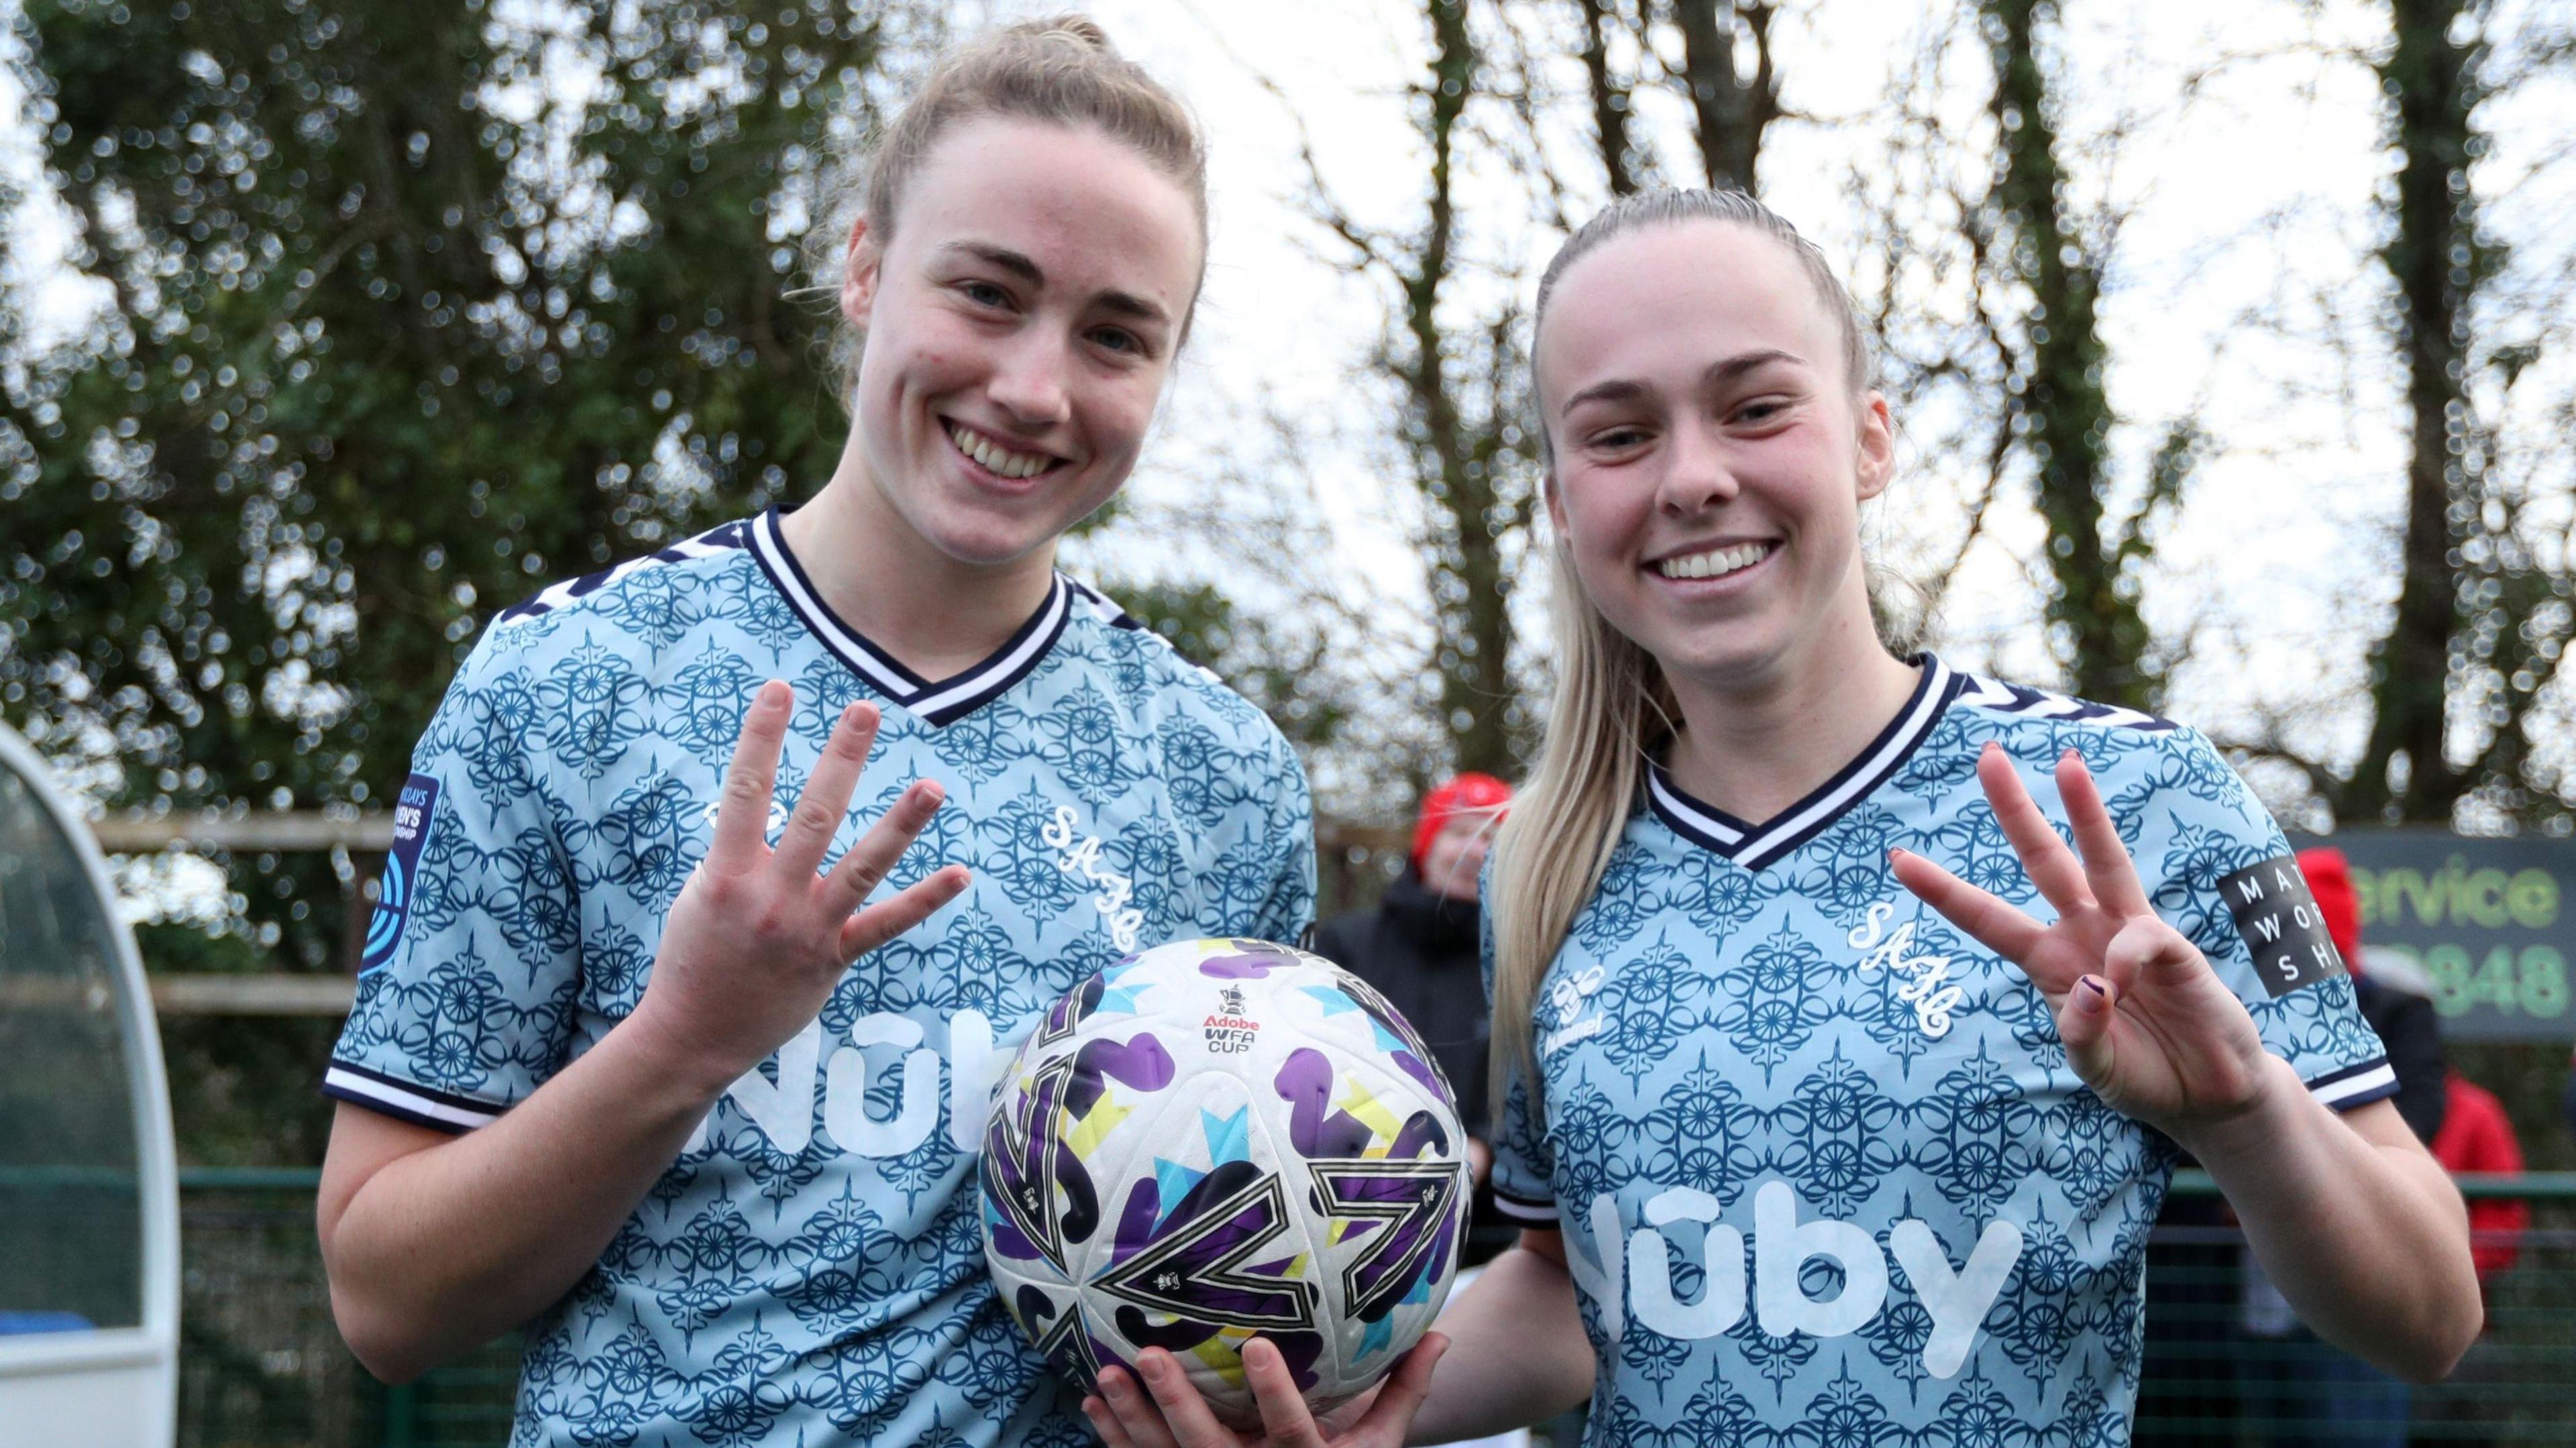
1018, 264
1623, 389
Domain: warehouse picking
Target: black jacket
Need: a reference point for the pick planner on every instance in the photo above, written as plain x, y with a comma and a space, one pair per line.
1419, 950
2413, 1035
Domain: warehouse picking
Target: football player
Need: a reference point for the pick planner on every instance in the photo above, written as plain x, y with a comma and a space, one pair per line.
1839, 1088
726, 878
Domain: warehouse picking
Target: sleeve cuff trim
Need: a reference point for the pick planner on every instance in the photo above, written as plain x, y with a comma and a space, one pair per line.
406, 1100
1523, 1209
2354, 1086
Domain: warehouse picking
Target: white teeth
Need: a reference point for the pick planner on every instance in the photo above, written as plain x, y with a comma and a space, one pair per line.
1716, 563
996, 457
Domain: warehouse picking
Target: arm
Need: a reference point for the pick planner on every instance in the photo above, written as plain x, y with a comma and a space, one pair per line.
1525, 1361
2353, 1220
436, 1243
2412, 1035
1517, 1353
423, 1264
2365, 1236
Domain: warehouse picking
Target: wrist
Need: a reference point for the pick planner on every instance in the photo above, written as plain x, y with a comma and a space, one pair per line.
671, 1052
2255, 1125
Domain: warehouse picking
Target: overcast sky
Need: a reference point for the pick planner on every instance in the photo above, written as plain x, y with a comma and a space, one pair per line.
2251, 195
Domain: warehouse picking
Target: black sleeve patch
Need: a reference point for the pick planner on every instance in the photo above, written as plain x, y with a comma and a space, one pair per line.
2281, 925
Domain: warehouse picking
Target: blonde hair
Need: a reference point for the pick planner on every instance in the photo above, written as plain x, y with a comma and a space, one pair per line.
1060, 71
1613, 708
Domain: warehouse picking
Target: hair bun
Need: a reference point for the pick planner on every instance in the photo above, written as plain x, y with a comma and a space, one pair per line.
1076, 27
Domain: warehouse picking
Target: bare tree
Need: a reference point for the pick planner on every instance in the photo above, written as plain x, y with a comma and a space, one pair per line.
2457, 568
1459, 385
1731, 112
2058, 403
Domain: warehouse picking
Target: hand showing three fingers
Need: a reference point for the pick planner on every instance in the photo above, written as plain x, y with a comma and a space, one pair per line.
759, 937
2146, 1021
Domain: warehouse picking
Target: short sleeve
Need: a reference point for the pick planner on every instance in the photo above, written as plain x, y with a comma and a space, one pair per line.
466, 989
1524, 1171
2222, 873
1287, 909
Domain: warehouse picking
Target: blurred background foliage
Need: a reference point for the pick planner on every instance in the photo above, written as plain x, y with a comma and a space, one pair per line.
407, 310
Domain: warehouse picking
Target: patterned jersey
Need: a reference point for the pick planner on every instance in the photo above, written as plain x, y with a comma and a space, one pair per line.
1823, 1171
810, 1269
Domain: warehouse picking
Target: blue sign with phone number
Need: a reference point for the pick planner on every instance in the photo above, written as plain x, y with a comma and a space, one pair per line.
2486, 918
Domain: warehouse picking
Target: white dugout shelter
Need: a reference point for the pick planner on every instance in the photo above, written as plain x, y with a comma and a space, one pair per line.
89, 1207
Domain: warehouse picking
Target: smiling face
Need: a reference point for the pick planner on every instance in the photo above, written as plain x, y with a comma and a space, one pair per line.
1710, 454
1020, 321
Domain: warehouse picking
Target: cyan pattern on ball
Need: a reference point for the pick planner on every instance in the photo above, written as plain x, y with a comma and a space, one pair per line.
1824, 1173
811, 1269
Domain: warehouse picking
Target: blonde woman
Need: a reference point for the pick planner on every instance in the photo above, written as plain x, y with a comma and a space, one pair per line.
1839, 1089
636, 1065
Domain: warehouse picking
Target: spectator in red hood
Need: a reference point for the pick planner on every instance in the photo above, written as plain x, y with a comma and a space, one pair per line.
1419, 949
2404, 1019
2478, 1137
2297, 1388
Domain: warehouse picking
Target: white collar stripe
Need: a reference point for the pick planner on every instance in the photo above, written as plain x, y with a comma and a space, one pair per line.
1755, 846
1675, 805
936, 703
1866, 774
1006, 666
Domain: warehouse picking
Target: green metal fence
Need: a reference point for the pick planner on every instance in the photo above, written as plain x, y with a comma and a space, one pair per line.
262, 1366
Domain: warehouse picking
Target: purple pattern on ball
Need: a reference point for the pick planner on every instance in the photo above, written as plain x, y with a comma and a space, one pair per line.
1305, 1082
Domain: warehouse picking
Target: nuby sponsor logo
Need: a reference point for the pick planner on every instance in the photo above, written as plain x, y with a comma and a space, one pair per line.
1631, 1274
783, 1110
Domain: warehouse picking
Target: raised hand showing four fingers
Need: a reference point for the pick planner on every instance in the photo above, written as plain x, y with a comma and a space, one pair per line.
2146, 1021
759, 937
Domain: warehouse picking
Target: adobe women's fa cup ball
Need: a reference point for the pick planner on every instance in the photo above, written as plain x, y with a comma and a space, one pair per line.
1216, 1140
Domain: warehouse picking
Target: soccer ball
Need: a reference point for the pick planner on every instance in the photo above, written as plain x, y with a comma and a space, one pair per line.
1216, 1140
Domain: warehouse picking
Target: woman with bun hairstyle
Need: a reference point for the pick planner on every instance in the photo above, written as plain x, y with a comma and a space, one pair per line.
724, 879
1849, 1008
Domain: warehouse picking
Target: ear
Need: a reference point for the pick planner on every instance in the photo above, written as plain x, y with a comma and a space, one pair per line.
860, 266
1877, 446
1549, 489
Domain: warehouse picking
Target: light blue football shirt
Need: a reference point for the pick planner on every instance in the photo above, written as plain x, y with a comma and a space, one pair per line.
810, 1271
1823, 1171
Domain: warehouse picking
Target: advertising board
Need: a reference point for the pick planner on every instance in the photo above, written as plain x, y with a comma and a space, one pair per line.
2489, 919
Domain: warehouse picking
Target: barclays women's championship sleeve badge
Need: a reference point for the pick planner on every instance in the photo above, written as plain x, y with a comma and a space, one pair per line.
414, 809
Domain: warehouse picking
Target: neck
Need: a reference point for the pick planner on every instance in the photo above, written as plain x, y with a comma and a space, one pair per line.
938, 615
1754, 742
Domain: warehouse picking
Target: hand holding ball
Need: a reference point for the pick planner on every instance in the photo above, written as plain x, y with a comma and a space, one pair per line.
1221, 1139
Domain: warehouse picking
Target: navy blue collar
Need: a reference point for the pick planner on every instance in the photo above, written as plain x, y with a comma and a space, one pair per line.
1755, 846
